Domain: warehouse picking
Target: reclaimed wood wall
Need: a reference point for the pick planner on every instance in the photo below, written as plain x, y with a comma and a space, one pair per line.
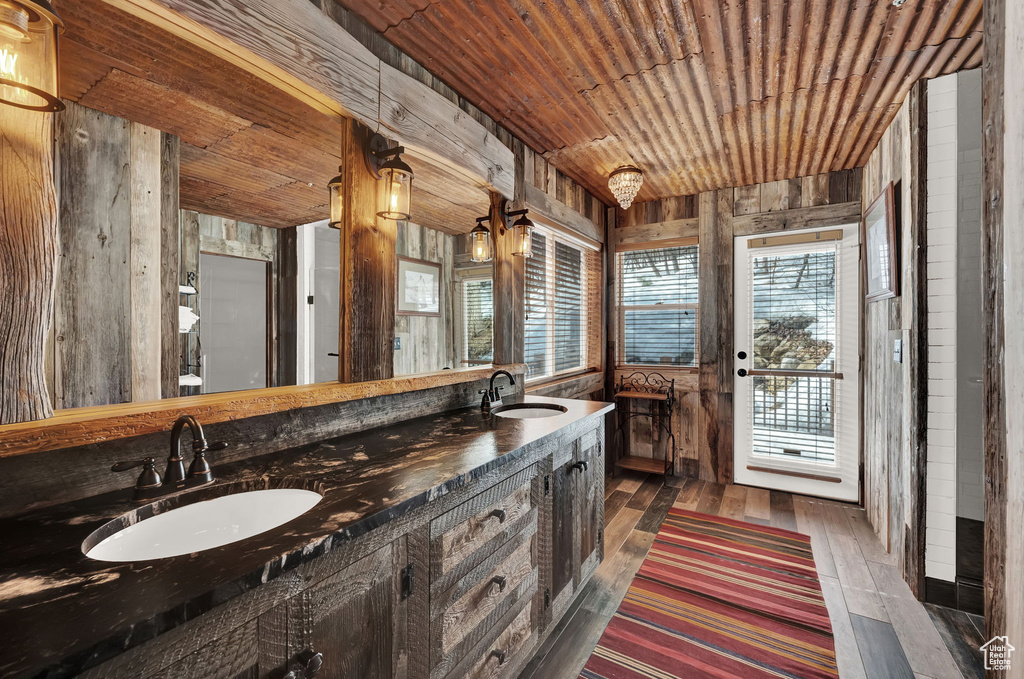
895, 394
1003, 288
427, 342
118, 208
703, 414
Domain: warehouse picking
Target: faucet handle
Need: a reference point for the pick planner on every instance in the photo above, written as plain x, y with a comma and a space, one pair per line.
149, 478
219, 445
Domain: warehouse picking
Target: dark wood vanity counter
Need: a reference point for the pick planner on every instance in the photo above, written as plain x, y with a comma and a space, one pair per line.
61, 612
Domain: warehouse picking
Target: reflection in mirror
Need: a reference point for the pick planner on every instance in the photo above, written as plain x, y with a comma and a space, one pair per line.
181, 190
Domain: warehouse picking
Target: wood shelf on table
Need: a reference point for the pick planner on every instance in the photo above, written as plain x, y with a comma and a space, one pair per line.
643, 464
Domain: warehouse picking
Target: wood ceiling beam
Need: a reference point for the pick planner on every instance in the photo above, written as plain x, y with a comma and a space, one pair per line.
295, 47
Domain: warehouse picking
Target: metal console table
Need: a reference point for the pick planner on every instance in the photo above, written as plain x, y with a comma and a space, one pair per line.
653, 388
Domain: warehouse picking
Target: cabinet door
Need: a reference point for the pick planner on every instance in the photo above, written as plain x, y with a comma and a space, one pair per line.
356, 619
562, 528
589, 492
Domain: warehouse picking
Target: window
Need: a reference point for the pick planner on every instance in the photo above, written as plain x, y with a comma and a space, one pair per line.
562, 306
658, 311
478, 320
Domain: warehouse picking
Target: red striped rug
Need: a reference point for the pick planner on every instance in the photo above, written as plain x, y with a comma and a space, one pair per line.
719, 598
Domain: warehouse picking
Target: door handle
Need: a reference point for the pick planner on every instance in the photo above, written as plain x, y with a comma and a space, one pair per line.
741, 372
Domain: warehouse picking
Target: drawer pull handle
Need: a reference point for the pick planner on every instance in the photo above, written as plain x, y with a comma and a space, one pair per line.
501, 581
581, 466
502, 656
500, 515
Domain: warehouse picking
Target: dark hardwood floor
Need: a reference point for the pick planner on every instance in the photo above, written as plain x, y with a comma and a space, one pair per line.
880, 629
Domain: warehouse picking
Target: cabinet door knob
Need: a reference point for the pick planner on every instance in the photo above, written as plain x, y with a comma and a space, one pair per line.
500, 515
581, 466
502, 656
500, 581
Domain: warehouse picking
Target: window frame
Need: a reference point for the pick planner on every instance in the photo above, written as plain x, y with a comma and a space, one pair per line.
587, 363
621, 308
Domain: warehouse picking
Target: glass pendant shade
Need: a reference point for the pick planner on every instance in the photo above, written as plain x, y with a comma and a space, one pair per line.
28, 55
625, 183
522, 233
397, 177
334, 191
480, 244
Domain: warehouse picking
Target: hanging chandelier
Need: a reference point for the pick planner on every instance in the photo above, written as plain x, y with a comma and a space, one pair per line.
625, 183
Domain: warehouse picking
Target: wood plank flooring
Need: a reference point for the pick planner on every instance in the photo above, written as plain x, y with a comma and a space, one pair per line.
881, 630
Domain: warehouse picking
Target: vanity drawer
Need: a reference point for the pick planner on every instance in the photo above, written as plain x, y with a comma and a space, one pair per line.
504, 651
488, 520
485, 595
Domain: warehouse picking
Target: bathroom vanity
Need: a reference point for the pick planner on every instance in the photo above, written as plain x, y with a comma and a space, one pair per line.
444, 546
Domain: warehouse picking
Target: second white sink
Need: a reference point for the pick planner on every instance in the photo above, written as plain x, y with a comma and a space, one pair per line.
204, 525
529, 411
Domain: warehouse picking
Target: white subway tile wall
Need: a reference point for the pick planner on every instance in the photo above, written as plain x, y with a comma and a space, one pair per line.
940, 518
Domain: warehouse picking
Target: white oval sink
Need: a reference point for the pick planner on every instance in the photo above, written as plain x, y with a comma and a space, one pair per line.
529, 411
204, 525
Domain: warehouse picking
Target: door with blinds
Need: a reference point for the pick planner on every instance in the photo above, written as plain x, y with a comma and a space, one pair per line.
797, 387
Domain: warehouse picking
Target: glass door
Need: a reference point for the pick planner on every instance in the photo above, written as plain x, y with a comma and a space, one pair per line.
797, 360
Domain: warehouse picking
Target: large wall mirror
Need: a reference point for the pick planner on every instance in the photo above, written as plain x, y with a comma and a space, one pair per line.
195, 254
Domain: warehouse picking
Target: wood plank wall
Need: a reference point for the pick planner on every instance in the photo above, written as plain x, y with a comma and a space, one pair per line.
703, 415
428, 342
895, 394
1003, 287
117, 216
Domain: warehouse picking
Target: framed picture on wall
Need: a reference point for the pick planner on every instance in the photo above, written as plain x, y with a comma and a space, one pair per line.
881, 249
419, 287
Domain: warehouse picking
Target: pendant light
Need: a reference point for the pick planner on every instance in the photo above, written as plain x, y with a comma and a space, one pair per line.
28, 55
334, 190
387, 164
480, 241
522, 234
625, 183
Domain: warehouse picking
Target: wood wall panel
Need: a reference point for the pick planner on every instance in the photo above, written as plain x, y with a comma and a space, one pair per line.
110, 338
703, 414
887, 444
170, 253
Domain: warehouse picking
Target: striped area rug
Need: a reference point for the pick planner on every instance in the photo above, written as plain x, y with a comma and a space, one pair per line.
719, 598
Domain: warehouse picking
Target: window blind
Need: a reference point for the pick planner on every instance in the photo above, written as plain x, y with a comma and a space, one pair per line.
658, 306
793, 328
562, 306
478, 312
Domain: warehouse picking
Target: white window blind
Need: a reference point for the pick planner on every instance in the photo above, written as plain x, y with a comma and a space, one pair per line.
478, 324
562, 305
658, 306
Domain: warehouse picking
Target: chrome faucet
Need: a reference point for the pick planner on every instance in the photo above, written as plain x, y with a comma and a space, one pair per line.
492, 396
150, 484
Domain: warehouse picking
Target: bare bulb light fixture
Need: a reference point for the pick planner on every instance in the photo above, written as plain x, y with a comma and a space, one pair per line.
480, 241
625, 183
28, 55
387, 164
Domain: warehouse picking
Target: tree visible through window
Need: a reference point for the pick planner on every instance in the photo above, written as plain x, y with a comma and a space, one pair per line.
658, 306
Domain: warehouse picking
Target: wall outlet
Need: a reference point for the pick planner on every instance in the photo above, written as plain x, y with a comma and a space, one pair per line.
897, 351
398, 344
